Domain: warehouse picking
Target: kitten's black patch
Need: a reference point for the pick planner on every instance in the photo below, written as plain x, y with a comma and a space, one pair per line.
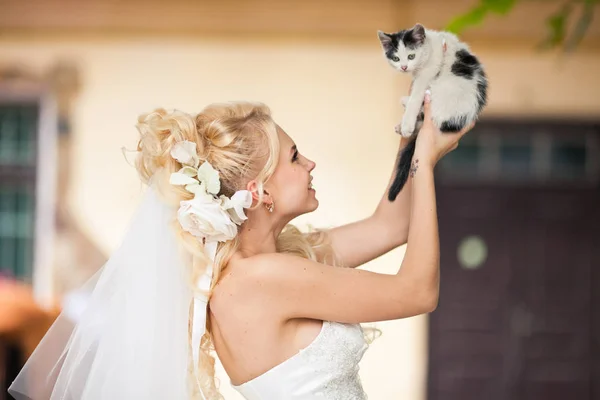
417, 34
402, 169
482, 85
466, 64
409, 41
414, 37
410, 38
389, 42
454, 125
462, 70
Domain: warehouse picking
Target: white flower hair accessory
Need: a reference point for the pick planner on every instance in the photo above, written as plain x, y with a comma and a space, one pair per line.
207, 217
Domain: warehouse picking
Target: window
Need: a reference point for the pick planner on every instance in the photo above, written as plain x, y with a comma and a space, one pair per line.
18, 138
529, 152
28, 146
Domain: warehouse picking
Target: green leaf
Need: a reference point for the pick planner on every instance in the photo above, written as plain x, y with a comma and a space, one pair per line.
470, 18
501, 7
556, 24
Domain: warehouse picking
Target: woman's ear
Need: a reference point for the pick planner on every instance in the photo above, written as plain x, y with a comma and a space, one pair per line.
252, 187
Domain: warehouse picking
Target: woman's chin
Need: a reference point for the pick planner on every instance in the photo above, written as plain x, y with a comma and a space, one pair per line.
311, 205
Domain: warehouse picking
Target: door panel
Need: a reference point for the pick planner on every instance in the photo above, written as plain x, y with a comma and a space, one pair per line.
520, 324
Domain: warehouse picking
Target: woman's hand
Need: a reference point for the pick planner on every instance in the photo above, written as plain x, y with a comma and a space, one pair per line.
432, 144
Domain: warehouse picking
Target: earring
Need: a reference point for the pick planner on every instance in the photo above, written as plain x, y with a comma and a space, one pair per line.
270, 207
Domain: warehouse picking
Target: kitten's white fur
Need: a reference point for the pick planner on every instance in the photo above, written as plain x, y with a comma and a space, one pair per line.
451, 95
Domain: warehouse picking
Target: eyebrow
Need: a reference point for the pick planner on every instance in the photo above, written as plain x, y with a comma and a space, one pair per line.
293, 149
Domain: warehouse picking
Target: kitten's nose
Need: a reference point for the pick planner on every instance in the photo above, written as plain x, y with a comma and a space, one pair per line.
404, 67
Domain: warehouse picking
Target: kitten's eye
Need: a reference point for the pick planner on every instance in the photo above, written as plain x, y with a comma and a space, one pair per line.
395, 59
411, 56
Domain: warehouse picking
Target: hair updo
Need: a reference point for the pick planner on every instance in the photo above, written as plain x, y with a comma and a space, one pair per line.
240, 141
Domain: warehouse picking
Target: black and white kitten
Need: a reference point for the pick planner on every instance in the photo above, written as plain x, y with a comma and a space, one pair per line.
441, 63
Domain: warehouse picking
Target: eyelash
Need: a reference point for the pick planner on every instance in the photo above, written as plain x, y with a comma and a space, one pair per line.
295, 156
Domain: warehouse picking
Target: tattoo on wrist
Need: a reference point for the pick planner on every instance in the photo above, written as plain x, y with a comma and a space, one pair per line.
414, 167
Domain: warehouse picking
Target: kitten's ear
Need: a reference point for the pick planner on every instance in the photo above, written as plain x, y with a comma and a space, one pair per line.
418, 33
385, 39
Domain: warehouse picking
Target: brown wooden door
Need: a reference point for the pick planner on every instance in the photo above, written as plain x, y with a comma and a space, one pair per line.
524, 324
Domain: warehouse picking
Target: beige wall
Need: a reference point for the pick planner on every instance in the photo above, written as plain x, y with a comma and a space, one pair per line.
338, 100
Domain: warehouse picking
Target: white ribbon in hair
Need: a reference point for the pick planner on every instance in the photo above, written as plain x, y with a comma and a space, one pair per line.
201, 307
212, 218
209, 218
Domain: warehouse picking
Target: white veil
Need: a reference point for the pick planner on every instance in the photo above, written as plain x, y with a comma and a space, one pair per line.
131, 342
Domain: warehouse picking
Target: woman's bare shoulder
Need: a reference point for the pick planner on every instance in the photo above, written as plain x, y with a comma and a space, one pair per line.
238, 282
248, 267
246, 280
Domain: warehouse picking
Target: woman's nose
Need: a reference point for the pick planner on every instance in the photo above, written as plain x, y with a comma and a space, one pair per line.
311, 165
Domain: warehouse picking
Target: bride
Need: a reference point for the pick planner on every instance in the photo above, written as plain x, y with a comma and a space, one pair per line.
210, 264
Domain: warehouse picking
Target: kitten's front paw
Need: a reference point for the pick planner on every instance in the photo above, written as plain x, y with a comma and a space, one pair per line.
398, 129
406, 129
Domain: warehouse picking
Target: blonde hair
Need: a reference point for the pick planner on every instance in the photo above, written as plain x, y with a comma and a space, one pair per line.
240, 141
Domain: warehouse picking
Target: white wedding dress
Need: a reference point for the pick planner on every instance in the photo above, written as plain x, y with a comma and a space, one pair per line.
131, 342
327, 369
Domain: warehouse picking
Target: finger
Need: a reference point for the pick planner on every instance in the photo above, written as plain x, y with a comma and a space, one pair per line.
451, 149
426, 105
465, 130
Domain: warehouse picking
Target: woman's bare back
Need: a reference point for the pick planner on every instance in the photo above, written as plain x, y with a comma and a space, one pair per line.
247, 336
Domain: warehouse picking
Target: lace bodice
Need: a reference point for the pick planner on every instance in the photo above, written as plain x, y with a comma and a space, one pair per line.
326, 369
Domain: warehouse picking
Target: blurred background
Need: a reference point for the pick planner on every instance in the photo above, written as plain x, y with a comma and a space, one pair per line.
519, 200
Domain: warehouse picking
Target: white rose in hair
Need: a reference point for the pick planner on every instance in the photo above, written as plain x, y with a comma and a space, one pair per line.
204, 217
185, 153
